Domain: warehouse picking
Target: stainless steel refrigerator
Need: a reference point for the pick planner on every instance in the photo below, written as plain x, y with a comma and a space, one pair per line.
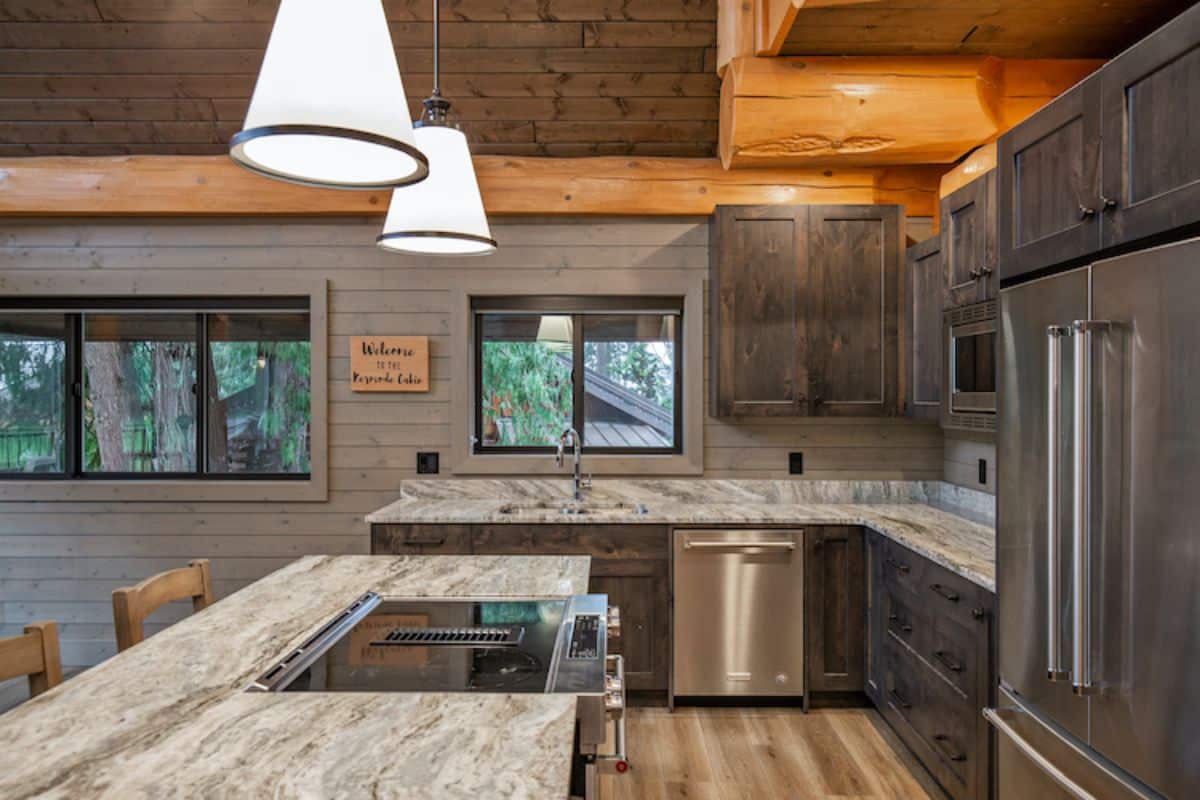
1098, 540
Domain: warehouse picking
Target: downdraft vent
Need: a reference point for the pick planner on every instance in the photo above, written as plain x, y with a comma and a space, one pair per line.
454, 637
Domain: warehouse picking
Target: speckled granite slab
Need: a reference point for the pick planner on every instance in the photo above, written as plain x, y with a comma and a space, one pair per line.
903, 511
168, 718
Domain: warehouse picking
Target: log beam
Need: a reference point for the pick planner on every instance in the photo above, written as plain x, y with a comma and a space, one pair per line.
735, 31
873, 110
980, 161
213, 186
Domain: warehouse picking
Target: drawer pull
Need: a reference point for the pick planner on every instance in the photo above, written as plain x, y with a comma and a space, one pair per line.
943, 739
946, 661
903, 626
425, 540
900, 701
903, 569
949, 594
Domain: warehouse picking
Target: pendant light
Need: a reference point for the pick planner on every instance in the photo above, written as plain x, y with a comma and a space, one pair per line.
329, 108
442, 215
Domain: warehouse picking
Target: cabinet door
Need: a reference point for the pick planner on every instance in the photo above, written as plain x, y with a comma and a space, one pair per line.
645, 622
923, 330
969, 242
834, 574
855, 261
1151, 117
1046, 169
757, 261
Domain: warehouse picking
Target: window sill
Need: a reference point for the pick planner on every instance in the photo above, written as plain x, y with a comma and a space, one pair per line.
313, 490
592, 464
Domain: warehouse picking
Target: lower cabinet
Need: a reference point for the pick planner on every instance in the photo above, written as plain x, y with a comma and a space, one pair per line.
630, 563
834, 637
930, 663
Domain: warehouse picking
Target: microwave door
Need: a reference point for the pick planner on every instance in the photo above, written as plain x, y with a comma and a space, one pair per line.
973, 367
1144, 502
1030, 573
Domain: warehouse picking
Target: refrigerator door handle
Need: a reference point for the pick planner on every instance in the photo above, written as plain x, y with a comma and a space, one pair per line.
1081, 665
997, 718
1054, 337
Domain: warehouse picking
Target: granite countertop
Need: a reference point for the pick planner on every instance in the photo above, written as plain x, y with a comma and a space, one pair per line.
905, 512
169, 718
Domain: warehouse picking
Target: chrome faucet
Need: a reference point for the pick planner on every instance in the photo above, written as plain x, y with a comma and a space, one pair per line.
570, 437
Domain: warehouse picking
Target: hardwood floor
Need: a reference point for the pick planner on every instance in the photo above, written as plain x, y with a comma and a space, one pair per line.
750, 753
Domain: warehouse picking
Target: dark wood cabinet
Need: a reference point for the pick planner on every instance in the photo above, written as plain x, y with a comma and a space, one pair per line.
630, 563
924, 293
758, 284
930, 663
1150, 107
1047, 172
968, 236
834, 622
805, 310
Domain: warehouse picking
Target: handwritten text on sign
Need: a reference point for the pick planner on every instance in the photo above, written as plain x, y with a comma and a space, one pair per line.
389, 363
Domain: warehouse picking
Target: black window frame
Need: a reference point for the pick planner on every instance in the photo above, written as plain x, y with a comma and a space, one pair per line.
576, 307
75, 309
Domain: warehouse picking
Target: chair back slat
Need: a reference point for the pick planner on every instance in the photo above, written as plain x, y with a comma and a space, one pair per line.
131, 605
35, 654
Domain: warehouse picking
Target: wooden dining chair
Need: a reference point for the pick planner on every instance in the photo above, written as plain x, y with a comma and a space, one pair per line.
132, 604
34, 654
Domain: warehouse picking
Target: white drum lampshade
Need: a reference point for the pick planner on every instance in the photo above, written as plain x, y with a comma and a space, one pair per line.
442, 215
329, 107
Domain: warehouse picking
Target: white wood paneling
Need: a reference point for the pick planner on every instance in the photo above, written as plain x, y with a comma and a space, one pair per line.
60, 560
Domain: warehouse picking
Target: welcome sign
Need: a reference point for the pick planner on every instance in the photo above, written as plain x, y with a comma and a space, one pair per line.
389, 363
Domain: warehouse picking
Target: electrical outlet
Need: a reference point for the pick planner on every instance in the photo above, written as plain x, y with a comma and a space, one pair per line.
983, 472
427, 463
795, 463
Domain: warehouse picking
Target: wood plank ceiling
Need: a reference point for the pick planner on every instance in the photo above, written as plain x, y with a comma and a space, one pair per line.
1008, 28
527, 77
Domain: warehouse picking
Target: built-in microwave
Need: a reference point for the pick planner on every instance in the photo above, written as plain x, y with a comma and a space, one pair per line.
970, 367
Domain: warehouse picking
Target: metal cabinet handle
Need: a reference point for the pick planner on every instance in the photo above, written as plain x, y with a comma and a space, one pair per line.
903, 626
943, 739
946, 661
903, 569
1086, 212
900, 701
690, 545
949, 594
1081, 667
1054, 337
433, 540
1108, 203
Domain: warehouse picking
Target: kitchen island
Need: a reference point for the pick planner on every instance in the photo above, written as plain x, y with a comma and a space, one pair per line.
170, 717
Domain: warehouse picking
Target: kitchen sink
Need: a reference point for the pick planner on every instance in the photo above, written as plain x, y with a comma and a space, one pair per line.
575, 509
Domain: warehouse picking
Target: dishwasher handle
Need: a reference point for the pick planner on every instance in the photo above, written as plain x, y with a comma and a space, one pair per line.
706, 545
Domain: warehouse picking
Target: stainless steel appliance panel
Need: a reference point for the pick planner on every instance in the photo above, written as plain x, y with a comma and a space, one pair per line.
1034, 761
1145, 510
1028, 488
739, 613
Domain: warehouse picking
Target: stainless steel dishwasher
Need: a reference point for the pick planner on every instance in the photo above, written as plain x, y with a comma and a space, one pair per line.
739, 613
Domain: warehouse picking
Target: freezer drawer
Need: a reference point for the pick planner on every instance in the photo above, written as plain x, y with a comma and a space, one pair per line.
739, 613
1035, 760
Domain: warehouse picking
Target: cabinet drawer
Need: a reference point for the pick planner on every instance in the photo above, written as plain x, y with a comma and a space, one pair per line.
420, 539
903, 570
904, 622
953, 650
948, 726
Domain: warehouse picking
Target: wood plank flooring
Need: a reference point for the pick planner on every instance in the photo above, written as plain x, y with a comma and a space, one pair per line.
748, 753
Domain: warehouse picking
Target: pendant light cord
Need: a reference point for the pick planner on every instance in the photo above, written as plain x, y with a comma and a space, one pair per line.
437, 88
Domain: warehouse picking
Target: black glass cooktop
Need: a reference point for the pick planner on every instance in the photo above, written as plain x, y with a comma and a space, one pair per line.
440, 646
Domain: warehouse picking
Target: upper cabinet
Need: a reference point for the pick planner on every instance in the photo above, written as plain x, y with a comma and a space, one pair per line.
1150, 107
1109, 162
968, 233
1046, 171
924, 298
804, 310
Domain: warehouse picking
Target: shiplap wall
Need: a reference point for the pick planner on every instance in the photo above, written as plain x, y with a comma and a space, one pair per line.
963, 451
60, 560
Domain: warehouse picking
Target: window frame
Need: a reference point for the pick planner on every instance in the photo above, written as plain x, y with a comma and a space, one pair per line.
75, 309
577, 307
